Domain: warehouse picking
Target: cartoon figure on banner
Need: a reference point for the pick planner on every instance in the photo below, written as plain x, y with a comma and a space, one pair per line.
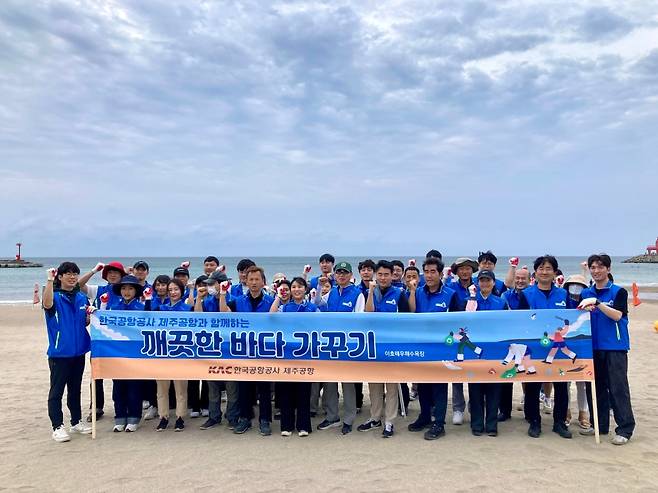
462, 338
522, 356
559, 343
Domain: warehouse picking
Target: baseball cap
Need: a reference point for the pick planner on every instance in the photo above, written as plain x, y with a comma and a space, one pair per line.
343, 266
141, 264
181, 271
487, 273
217, 277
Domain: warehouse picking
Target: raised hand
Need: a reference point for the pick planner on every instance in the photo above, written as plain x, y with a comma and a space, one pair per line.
186, 264
372, 285
559, 281
99, 267
148, 294
307, 269
51, 274
412, 262
224, 287
221, 268
514, 261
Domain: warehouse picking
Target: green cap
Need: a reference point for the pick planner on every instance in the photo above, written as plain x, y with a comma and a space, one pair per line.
343, 266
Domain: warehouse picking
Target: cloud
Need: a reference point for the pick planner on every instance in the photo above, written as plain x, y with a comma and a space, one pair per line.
261, 124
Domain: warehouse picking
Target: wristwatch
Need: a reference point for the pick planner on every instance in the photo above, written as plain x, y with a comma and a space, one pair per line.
597, 303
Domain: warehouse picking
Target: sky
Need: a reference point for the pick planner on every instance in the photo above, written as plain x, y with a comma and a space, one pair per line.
156, 128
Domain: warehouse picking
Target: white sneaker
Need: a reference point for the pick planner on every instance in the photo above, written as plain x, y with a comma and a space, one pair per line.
457, 418
82, 428
286, 433
61, 435
118, 428
548, 405
151, 413
204, 413
131, 427
619, 440
146, 404
302, 433
588, 432
194, 414
521, 404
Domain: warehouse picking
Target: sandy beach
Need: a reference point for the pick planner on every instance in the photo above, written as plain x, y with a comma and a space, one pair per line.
198, 460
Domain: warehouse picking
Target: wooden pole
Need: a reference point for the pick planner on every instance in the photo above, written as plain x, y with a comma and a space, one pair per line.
93, 405
595, 414
401, 399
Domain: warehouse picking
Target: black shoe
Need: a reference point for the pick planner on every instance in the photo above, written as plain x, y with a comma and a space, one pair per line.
534, 430
180, 424
418, 425
476, 433
436, 431
99, 415
265, 428
326, 424
562, 430
503, 417
346, 429
388, 431
492, 433
242, 426
277, 416
371, 424
162, 426
313, 414
573, 360
210, 423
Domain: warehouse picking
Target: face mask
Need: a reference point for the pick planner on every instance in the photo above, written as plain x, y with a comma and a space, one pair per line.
212, 291
575, 289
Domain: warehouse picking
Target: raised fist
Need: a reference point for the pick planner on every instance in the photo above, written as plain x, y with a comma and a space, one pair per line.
412, 284
372, 285
447, 272
471, 290
105, 297
224, 287
99, 267
221, 268
307, 269
412, 262
51, 274
559, 281
514, 261
148, 294
186, 264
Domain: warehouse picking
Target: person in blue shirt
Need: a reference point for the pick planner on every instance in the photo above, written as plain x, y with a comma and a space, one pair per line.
545, 295
294, 398
384, 297
65, 309
433, 297
487, 261
183, 275
608, 306
366, 272
175, 303
255, 300
431, 254
327, 262
141, 272
485, 397
398, 274
241, 288
127, 394
160, 294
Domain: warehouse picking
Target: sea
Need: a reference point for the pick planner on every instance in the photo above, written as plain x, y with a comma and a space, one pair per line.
17, 285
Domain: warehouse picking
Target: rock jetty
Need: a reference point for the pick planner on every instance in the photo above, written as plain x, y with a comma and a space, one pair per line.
642, 259
17, 264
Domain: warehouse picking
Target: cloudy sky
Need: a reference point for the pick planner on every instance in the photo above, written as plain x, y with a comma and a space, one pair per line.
168, 127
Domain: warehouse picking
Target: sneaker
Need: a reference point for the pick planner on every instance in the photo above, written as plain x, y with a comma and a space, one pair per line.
534, 430
205, 413
118, 428
210, 423
195, 414
413, 395
82, 428
371, 424
265, 428
562, 430
131, 427
457, 418
180, 424
302, 433
151, 413
232, 424
99, 415
145, 405
520, 405
503, 417
388, 431
476, 433
162, 426
277, 416
418, 425
346, 429
60, 434
548, 405
242, 426
285, 433
436, 431
328, 424
588, 432
619, 440
492, 433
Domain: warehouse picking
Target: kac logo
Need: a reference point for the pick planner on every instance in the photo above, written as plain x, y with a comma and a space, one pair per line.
349, 304
441, 305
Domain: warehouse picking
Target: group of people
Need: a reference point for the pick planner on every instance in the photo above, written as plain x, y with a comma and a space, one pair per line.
383, 286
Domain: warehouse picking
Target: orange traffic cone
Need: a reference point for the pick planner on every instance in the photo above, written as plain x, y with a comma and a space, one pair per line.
636, 293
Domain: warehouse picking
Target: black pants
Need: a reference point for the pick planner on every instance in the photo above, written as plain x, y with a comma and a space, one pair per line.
127, 397
197, 399
100, 395
245, 399
484, 399
405, 398
358, 386
295, 397
612, 391
440, 402
506, 397
65, 372
150, 392
426, 401
560, 402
